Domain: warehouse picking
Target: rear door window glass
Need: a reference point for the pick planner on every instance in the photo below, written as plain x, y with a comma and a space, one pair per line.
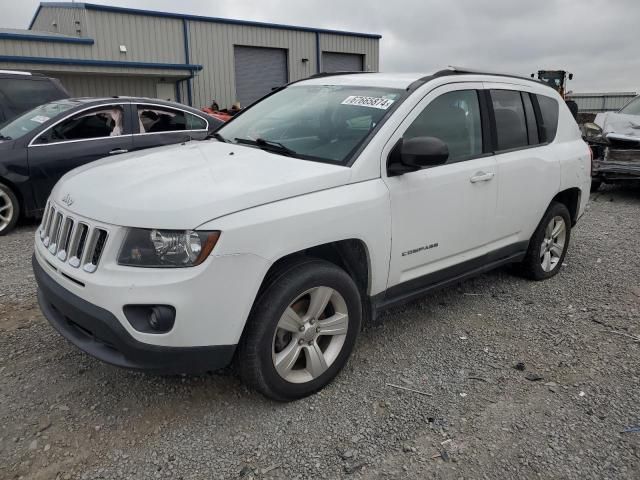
100, 122
195, 123
511, 126
548, 117
454, 118
157, 119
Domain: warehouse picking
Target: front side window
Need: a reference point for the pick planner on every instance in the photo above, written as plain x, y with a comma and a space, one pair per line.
510, 119
155, 119
327, 123
454, 118
101, 122
29, 121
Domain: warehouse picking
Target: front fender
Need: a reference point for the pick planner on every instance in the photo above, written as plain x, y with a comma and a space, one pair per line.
358, 211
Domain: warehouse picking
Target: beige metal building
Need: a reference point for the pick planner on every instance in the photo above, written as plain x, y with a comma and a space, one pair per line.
98, 50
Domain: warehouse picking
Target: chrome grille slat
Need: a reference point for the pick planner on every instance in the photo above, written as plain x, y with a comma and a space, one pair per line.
47, 228
71, 240
55, 233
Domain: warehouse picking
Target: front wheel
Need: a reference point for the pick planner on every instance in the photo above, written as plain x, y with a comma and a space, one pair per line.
9, 210
301, 330
549, 243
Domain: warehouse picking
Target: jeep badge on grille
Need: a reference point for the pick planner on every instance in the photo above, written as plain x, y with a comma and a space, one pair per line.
67, 200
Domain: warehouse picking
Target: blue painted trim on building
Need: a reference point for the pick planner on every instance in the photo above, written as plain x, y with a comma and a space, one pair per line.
151, 13
45, 38
98, 63
185, 31
318, 53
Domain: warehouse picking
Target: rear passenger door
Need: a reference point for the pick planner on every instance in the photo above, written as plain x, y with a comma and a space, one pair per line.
528, 170
157, 125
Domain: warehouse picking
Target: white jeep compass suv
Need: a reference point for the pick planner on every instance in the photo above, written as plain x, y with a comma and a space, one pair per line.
328, 200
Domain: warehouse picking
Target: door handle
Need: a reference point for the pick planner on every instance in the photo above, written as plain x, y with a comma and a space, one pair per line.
482, 177
117, 151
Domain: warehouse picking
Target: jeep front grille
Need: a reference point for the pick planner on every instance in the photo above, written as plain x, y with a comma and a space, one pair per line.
72, 240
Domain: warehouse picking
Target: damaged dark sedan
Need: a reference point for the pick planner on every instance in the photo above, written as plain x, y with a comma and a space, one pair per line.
40, 146
614, 138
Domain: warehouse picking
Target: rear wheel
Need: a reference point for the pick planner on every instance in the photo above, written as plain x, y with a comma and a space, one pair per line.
549, 243
9, 210
301, 331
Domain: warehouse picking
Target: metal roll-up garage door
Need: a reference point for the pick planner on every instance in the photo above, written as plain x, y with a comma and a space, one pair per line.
342, 62
258, 72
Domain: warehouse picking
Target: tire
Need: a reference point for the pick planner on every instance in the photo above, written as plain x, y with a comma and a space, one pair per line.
301, 371
542, 260
595, 185
9, 210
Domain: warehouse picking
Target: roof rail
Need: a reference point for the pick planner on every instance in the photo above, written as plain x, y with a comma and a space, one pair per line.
451, 70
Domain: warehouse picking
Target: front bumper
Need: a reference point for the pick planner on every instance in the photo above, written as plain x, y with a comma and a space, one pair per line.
99, 333
616, 164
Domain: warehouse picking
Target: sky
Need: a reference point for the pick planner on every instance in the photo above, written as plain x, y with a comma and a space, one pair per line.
596, 40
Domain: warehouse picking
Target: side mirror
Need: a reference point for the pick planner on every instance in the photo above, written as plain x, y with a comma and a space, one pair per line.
416, 153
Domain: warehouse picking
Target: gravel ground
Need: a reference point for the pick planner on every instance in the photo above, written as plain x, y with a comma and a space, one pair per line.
471, 414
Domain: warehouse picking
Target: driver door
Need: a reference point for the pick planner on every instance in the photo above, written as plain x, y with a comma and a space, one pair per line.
441, 216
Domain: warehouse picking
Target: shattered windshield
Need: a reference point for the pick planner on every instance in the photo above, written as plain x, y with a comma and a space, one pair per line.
632, 108
320, 122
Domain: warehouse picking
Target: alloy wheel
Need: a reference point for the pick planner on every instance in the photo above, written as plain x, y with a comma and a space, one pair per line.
553, 243
6, 210
310, 335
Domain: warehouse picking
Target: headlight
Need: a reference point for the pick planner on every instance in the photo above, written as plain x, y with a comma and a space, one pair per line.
591, 131
166, 248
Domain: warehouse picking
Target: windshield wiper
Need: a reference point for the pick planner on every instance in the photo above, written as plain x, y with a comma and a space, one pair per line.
217, 136
268, 145
2, 137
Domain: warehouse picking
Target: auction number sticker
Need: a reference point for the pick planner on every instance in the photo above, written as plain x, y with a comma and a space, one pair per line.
373, 102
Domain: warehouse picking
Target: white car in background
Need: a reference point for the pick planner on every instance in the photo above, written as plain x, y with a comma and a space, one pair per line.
328, 200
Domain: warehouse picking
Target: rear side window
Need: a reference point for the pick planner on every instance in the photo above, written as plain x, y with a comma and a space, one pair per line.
511, 126
454, 118
21, 94
548, 117
155, 119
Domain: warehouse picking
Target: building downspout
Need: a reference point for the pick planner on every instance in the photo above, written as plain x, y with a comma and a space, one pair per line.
318, 59
185, 29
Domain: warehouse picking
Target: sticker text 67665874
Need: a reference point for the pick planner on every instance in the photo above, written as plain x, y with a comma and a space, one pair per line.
373, 102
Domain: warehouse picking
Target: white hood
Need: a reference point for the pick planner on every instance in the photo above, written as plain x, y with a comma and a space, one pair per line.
183, 186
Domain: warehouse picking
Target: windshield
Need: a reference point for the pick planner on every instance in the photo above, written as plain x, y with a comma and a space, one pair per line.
632, 108
31, 120
319, 122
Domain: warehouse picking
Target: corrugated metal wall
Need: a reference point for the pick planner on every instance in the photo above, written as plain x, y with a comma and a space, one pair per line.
212, 46
148, 39
161, 40
350, 44
107, 86
601, 102
64, 18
